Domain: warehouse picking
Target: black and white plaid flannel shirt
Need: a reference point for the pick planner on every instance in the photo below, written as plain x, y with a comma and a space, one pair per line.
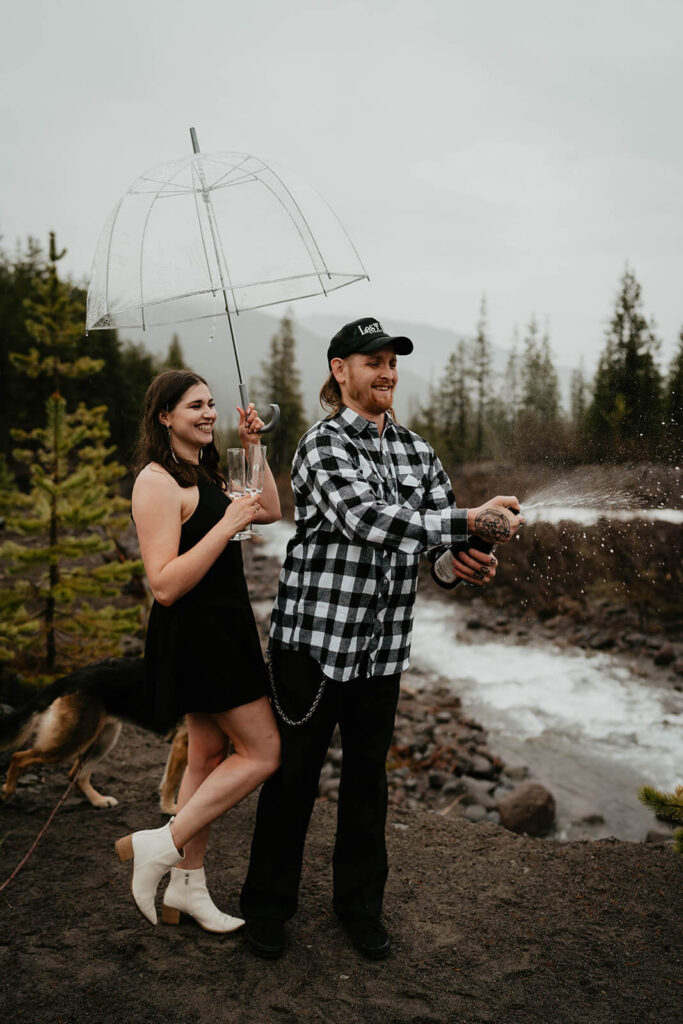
366, 507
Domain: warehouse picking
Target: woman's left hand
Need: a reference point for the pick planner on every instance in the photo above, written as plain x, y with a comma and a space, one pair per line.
249, 425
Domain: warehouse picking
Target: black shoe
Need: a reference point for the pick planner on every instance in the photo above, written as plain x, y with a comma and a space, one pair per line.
265, 936
369, 936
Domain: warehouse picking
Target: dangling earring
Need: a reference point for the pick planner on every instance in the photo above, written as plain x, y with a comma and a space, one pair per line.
170, 445
201, 454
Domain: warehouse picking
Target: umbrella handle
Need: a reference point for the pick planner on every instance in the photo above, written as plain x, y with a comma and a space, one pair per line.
272, 422
275, 417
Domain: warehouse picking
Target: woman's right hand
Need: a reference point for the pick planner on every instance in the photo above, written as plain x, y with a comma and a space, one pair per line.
240, 512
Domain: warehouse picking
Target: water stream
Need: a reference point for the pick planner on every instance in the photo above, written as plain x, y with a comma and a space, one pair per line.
584, 724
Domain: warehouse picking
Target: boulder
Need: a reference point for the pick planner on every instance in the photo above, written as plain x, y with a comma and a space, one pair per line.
453, 788
438, 779
665, 655
478, 791
481, 767
569, 606
656, 835
593, 819
529, 808
601, 641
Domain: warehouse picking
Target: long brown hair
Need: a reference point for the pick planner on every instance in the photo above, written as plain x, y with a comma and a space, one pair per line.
330, 396
153, 444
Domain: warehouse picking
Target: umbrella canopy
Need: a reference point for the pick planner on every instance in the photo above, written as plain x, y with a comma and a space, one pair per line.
213, 233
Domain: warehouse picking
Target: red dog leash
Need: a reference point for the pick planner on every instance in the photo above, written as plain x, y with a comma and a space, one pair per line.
43, 830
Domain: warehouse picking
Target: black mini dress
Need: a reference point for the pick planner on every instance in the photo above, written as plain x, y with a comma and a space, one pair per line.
203, 653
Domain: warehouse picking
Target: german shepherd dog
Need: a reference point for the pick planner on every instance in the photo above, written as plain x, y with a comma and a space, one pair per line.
81, 714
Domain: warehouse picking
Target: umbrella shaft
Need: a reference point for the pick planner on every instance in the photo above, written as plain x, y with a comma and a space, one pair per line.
210, 215
232, 334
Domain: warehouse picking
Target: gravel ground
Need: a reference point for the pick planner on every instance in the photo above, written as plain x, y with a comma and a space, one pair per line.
487, 925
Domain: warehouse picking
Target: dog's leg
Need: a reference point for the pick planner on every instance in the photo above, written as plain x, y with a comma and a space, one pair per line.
106, 739
22, 760
18, 764
173, 772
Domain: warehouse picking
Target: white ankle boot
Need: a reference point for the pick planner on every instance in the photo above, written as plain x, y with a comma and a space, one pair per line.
153, 853
187, 894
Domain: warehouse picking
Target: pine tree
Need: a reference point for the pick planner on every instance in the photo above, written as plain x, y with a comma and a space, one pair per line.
18, 279
549, 406
60, 573
511, 398
452, 407
625, 414
538, 420
667, 806
426, 421
481, 369
121, 385
673, 403
578, 397
16, 624
175, 359
530, 370
280, 383
539, 387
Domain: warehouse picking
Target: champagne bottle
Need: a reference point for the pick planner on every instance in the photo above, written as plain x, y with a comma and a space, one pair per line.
442, 560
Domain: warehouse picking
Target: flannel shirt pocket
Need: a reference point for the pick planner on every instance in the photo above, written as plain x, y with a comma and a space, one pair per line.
411, 490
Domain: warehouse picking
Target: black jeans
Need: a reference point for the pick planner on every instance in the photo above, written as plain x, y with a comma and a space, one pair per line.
365, 709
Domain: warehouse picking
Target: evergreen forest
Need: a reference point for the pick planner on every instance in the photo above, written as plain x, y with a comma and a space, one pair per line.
71, 592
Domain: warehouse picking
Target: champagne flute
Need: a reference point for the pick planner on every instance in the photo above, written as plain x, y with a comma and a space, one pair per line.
237, 486
256, 471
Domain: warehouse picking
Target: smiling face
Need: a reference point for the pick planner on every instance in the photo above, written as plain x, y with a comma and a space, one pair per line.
191, 421
367, 382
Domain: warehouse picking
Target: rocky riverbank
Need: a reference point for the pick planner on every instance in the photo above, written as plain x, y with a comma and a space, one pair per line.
440, 757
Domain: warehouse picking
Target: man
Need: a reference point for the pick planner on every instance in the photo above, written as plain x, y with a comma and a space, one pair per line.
371, 496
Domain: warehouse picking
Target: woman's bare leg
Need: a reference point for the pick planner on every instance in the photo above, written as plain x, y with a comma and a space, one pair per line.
210, 791
207, 747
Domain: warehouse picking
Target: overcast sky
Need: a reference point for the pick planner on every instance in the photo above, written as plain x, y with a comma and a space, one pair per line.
526, 150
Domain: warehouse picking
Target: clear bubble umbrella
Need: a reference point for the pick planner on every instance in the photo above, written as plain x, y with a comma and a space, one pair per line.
215, 233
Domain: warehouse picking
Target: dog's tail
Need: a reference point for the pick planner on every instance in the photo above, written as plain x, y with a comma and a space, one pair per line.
114, 681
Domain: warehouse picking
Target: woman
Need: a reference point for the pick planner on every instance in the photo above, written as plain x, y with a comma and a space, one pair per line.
202, 653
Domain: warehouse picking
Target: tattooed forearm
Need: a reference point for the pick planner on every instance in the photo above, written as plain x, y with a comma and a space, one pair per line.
492, 525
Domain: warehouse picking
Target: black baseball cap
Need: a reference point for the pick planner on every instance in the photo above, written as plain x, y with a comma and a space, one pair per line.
365, 335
